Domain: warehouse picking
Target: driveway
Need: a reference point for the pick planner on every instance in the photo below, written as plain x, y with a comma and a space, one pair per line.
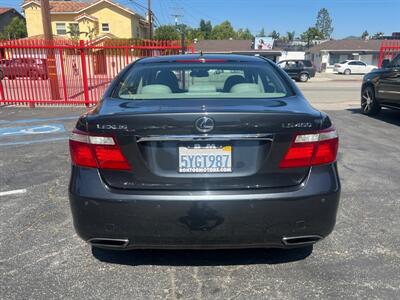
41, 256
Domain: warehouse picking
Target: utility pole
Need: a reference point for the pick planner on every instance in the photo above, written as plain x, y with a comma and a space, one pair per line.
45, 9
183, 37
150, 15
176, 17
51, 59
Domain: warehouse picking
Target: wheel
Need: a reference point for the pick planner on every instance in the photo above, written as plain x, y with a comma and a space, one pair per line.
303, 77
369, 104
347, 72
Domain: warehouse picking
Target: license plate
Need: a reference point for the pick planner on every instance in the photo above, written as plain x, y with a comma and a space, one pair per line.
205, 159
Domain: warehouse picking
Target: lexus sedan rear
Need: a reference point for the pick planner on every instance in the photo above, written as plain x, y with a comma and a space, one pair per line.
213, 151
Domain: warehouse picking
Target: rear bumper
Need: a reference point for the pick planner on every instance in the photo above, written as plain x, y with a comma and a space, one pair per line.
204, 220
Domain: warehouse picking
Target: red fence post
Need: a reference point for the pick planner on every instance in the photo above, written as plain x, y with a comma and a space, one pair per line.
63, 75
1, 91
84, 72
127, 54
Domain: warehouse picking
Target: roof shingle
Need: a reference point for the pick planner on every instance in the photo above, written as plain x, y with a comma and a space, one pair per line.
4, 9
347, 45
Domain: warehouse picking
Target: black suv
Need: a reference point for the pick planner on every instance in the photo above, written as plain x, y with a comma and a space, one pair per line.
298, 69
381, 88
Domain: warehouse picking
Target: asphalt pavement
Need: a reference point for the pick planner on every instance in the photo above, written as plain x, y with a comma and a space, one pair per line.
41, 257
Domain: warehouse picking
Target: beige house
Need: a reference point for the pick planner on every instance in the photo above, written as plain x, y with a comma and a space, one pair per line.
86, 20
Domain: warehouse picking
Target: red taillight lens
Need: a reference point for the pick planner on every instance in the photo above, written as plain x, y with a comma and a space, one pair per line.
96, 152
82, 154
311, 149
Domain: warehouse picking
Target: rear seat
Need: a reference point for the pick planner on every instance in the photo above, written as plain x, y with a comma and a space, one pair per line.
244, 88
156, 89
202, 89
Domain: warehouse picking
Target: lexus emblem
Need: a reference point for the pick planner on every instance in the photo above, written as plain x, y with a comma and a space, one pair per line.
204, 124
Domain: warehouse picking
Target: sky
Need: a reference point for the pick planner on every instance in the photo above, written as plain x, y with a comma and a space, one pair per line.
350, 17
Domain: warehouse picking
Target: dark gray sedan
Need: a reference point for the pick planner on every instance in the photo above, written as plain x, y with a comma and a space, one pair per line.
213, 151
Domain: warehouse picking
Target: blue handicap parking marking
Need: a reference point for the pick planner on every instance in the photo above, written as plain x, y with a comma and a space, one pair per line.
30, 130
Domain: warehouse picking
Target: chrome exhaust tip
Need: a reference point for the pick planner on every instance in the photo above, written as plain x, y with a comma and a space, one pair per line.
301, 240
109, 243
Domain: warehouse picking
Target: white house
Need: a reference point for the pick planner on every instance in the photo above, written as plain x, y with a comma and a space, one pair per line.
327, 54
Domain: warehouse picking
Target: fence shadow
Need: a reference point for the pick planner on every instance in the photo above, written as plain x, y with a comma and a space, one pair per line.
386, 115
202, 257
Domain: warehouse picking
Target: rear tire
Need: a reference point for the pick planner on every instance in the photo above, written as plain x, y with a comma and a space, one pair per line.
369, 104
303, 77
347, 72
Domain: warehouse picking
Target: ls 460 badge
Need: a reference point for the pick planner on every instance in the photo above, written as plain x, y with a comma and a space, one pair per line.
297, 125
112, 127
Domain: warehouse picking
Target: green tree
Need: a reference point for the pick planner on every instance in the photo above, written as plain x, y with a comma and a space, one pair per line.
261, 33
365, 35
244, 34
167, 32
223, 31
16, 29
324, 23
275, 35
73, 31
312, 33
205, 28
194, 33
290, 36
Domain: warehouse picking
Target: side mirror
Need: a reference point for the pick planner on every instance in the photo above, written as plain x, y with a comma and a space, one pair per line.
385, 63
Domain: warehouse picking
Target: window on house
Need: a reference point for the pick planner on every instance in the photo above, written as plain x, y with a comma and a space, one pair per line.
105, 27
137, 32
61, 29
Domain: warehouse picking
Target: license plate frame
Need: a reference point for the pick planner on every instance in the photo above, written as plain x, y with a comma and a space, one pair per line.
205, 159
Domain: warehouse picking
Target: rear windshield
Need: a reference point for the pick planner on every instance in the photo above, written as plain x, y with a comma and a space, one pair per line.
307, 63
201, 80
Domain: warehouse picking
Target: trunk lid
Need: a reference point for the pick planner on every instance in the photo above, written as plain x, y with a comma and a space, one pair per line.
258, 133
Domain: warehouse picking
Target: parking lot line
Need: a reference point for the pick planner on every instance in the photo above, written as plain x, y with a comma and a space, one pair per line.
35, 120
13, 192
34, 141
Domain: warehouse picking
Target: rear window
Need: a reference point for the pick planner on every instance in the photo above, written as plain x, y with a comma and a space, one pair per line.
307, 63
201, 80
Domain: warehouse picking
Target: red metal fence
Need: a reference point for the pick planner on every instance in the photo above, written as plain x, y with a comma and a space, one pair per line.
389, 49
68, 72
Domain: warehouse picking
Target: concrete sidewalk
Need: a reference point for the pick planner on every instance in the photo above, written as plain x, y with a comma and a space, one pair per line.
321, 77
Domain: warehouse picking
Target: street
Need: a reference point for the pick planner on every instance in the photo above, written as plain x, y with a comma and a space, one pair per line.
42, 257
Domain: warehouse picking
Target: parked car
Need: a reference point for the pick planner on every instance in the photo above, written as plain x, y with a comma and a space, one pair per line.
34, 68
348, 67
381, 88
163, 162
298, 69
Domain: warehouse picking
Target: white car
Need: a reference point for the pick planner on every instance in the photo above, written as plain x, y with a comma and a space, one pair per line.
348, 67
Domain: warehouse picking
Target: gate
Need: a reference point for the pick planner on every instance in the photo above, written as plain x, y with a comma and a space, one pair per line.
388, 50
68, 72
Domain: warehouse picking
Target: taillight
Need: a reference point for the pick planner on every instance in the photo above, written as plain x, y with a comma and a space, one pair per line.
312, 149
100, 152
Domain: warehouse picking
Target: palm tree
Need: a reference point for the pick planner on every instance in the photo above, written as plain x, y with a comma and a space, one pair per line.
290, 36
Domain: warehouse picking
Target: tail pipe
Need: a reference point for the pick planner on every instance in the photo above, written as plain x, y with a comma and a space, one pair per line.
109, 243
301, 240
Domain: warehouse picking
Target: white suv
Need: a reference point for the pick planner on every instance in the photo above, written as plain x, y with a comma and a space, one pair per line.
348, 67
